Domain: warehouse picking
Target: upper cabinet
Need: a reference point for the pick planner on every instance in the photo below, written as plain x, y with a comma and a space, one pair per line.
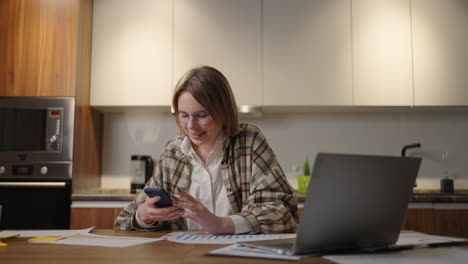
440, 36
382, 59
307, 53
38, 47
273, 52
132, 53
225, 34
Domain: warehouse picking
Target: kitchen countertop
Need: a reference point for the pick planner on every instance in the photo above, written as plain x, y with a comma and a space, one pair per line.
419, 196
104, 195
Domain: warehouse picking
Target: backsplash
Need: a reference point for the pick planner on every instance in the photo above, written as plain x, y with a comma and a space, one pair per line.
293, 136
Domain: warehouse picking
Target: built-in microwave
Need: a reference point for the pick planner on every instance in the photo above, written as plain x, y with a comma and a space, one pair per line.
36, 129
36, 161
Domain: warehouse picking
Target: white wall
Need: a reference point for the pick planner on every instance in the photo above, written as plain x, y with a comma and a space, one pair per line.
295, 135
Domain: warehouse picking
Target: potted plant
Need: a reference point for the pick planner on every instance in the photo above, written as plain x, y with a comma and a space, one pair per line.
303, 181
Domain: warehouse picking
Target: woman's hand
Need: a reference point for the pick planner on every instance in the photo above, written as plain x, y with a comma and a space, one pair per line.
149, 212
200, 214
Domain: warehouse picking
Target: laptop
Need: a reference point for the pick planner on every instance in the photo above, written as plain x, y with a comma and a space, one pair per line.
354, 202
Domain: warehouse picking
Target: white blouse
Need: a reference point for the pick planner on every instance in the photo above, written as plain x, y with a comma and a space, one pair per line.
207, 187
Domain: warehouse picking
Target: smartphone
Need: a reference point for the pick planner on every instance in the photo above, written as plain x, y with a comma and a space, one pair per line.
165, 200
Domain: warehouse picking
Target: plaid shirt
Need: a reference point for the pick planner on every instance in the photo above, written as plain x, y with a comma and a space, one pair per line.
256, 186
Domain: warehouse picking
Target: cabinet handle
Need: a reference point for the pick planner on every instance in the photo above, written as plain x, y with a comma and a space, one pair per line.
34, 184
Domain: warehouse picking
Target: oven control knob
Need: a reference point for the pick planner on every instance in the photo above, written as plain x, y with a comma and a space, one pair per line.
44, 170
53, 138
2, 169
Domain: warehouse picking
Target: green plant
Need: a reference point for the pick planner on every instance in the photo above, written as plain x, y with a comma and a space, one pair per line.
307, 167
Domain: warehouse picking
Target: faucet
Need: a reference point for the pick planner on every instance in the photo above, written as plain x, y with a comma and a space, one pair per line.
410, 146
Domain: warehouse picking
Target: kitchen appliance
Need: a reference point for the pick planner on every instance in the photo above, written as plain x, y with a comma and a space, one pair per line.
141, 171
446, 184
36, 153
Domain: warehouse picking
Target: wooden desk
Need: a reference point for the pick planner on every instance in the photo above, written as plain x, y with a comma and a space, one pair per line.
19, 251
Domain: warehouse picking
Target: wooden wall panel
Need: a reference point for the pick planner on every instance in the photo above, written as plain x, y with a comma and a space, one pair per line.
45, 50
88, 122
101, 218
39, 47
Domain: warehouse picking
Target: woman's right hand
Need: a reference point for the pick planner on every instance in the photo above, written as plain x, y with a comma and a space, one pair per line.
148, 212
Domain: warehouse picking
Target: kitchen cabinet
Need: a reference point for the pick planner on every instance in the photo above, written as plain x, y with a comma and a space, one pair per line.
451, 222
100, 218
45, 50
38, 47
440, 38
224, 34
420, 220
307, 53
132, 53
281, 53
438, 219
435, 220
382, 58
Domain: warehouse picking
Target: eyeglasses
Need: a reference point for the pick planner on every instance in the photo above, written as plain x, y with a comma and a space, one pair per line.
201, 117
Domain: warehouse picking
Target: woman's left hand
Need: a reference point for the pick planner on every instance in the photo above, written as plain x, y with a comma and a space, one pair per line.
200, 214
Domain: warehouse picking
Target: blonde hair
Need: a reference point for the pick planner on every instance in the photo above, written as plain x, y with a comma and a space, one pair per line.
212, 90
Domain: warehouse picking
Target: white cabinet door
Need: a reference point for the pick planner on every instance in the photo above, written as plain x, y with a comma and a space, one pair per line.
132, 53
307, 52
382, 59
225, 34
440, 36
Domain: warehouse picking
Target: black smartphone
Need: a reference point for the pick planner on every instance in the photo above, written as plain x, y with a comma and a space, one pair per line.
165, 200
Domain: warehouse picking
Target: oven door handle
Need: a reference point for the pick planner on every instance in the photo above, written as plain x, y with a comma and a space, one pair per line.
34, 184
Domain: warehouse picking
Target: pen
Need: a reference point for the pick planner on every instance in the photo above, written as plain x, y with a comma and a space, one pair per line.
444, 244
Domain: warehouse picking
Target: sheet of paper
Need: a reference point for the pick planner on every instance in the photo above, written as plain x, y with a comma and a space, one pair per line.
247, 251
46, 233
100, 241
205, 238
421, 239
441, 255
418, 255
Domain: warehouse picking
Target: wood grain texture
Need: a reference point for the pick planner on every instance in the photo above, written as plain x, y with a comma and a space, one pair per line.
38, 47
421, 220
45, 49
99, 217
20, 251
88, 122
453, 222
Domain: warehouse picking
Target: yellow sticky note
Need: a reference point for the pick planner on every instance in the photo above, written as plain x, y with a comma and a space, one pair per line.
9, 236
44, 239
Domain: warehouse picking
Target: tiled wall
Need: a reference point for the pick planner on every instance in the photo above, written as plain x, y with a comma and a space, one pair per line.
293, 136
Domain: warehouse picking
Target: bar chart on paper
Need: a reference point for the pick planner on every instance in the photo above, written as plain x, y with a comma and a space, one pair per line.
205, 238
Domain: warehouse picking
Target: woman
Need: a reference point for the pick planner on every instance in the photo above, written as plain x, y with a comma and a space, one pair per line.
223, 176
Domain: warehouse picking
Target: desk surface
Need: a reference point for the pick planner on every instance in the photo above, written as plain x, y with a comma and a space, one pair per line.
19, 251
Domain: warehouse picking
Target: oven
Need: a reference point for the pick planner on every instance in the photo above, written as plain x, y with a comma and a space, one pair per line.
36, 162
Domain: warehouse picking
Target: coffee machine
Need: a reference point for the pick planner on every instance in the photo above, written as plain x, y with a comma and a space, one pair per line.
141, 169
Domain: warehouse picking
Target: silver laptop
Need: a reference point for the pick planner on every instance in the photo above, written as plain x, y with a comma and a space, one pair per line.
354, 202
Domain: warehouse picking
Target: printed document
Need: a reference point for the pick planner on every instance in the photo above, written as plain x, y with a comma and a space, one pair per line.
101, 241
46, 233
206, 238
417, 242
